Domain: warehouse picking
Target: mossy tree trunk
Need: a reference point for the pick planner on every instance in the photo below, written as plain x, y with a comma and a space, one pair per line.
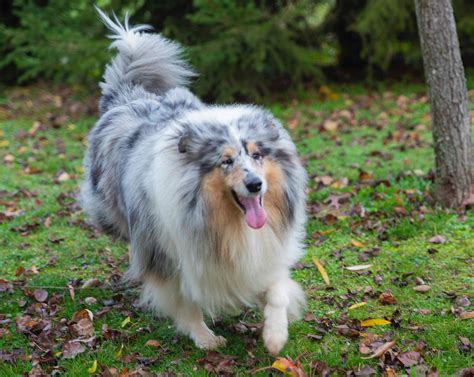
444, 73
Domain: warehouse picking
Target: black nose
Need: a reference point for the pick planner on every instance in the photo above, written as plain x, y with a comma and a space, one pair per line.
253, 184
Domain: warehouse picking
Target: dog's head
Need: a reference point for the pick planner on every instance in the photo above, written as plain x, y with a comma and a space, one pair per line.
235, 151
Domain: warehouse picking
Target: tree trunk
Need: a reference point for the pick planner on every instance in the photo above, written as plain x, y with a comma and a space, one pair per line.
444, 73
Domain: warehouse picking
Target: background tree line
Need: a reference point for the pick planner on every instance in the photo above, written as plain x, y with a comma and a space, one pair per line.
242, 49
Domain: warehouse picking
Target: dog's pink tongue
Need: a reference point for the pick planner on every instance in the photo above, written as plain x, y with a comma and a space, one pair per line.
255, 215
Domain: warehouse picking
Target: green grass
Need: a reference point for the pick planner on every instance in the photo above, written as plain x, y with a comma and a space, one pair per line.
382, 141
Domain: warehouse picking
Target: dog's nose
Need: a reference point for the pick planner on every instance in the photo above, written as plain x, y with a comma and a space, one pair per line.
253, 184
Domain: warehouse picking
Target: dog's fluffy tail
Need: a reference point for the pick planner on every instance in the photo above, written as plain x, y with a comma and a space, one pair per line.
149, 60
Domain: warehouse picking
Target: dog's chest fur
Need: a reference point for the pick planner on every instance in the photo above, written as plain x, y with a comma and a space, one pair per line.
233, 276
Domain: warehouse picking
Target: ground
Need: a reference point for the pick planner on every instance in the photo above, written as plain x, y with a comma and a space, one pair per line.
370, 160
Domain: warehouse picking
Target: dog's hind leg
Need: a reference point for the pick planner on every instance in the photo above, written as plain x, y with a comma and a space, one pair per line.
284, 302
164, 297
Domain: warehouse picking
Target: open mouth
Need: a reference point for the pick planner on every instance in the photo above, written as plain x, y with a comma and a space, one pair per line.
252, 206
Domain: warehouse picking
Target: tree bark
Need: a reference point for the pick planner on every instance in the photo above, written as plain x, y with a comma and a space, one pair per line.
447, 91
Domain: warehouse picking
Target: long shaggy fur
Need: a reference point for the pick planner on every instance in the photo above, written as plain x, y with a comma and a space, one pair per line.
158, 176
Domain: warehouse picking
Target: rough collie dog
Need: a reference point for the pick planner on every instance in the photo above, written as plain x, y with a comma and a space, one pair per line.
211, 199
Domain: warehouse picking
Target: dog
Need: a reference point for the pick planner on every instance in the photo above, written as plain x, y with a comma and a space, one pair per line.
210, 198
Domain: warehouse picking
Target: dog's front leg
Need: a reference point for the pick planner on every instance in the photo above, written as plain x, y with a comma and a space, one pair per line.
164, 297
284, 301
189, 320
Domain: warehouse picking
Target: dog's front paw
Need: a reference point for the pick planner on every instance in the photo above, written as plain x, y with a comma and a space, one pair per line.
211, 342
274, 340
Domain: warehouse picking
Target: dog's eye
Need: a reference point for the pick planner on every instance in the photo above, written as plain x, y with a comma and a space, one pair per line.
256, 156
227, 162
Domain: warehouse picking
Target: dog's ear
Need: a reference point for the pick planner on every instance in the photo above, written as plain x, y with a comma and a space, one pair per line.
187, 136
273, 132
183, 142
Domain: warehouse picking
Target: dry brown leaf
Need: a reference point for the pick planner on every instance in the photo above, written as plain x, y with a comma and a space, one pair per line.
387, 298
423, 288
467, 315
381, 350
81, 314
437, 239
40, 295
152, 343
330, 125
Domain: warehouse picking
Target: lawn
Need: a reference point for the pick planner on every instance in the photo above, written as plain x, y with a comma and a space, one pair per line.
369, 157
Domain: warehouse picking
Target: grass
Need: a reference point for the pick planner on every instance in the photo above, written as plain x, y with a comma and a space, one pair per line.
379, 154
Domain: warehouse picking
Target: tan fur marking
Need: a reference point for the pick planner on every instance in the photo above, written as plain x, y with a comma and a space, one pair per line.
225, 219
234, 178
252, 148
228, 152
273, 202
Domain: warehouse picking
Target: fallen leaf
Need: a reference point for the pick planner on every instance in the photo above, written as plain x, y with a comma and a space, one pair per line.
358, 267
330, 125
72, 348
355, 306
423, 311
326, 180
374, 322
92, 282
381, 350
335, 200
319, 368
322, 271
462, 301
466, 372
437, 239
81, 314
467, 315
365, 371
118, 354
409, 359
20, 271
423, 288
90, 300
288, 367
63, 177
40, 295
72, 293
314, 336
357, 243
387, 298
93, 368
152, 343
126, 321
84, 328
8, 158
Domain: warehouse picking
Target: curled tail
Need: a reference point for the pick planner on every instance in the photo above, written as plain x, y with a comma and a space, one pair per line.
149, 60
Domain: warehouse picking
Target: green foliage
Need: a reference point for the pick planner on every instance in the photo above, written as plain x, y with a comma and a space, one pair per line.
240, 48
56, 41
68, 249
245, 50
388, 29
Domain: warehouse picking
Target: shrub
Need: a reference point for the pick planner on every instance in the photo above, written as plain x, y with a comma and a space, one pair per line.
57, 41
240, 48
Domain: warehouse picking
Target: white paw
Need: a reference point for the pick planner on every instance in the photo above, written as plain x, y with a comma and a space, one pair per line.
274, 340
211, 342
